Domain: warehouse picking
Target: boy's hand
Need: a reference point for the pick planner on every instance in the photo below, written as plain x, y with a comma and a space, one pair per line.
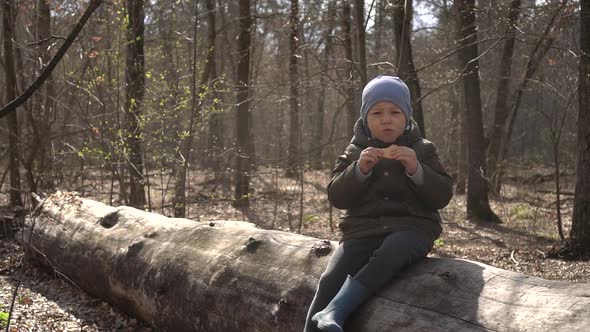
404, 154
369, 158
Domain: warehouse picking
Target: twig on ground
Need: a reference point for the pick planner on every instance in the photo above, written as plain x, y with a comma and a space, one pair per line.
542, 253
25, 256
512, 258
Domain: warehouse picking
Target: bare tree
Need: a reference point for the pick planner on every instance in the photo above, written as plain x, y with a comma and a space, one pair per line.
380, 14
505, 69
327, 53
359, 7
11, 121
197, 97
351, 112
294, 127
135, 90
215, 138
402, 16
458, 131
534, 60
580, 231
478, 206
463, 155
245, 142
556, 117
179, 200
14, 103
40, 119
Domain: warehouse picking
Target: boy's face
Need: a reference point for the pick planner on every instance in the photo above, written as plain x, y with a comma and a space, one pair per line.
386, 121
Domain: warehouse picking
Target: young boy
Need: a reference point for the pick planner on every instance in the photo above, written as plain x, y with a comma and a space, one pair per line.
391, 182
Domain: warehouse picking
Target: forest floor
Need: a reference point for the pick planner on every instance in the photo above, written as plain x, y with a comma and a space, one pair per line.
49, 302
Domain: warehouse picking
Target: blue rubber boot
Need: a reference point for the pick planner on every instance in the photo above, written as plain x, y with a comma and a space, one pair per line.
351, 295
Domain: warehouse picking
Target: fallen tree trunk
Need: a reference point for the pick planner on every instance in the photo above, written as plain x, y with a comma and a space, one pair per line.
182, 275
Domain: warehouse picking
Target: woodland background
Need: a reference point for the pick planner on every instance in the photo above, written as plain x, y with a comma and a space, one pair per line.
237, 109
218, 109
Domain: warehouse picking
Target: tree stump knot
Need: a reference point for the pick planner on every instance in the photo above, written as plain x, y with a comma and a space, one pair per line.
321, 249
252, 245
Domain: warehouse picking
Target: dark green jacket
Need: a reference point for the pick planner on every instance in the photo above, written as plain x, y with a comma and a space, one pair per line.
388, 200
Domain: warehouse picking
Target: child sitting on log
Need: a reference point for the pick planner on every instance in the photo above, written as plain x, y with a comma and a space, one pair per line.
391, 182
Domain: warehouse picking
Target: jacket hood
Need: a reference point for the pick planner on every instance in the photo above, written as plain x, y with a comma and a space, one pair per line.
361, 138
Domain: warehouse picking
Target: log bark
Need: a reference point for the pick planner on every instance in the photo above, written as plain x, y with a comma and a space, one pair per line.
182, 275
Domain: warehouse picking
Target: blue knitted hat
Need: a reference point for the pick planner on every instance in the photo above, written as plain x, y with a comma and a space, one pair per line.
387, 88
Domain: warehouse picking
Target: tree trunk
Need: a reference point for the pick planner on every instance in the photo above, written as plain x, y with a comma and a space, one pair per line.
556, 165
11, 120
478, 206
47, 101
458, 146
171, 105
294, 127
501, 109
360, 29
37, 120
458, 132
380, 14
243, 117
351, 112
181, 275
135, 90
196, 119
402, 16
215, 141
463, 162
580, 231
318, 129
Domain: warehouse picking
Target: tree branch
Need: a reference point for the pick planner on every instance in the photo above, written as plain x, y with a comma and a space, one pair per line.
11, 106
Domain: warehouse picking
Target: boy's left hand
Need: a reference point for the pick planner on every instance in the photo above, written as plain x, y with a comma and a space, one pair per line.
405, 155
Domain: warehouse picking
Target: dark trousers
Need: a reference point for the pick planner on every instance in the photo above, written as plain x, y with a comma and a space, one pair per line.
374, 262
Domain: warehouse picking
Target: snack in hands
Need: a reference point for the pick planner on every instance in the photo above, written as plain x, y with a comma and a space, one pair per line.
388, 152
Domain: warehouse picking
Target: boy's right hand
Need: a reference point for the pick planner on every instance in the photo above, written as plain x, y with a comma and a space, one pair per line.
369, 158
